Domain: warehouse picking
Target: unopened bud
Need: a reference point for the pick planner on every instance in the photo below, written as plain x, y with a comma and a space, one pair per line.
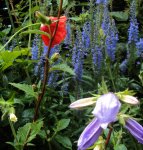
130, 100
34, 86
12, 117
55, 57
44, 19
83, 103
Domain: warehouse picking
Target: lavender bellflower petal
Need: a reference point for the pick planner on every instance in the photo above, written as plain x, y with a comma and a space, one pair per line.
90, 135
135, 129
106, 109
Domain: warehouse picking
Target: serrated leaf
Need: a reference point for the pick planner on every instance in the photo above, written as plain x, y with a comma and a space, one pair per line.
27, 133
7, 57
62, 124
36, 32
65, 141
62, 67
26, 88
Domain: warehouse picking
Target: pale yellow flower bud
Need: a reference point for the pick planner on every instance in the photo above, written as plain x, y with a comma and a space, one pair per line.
12, 117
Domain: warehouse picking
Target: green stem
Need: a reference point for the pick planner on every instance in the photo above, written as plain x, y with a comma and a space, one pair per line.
30, 21
12, 129
9, 13
111, 77
47, 66
18, 33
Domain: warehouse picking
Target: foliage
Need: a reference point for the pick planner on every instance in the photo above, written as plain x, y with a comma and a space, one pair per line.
101, 53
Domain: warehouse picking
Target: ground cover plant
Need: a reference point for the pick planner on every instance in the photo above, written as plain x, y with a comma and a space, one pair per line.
71, 75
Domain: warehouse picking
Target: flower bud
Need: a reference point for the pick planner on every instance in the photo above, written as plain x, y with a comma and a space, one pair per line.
55, 57
43, 18
83, 103
12, 117
130, 100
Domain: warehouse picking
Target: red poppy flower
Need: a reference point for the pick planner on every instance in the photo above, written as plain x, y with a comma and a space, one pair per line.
60, 33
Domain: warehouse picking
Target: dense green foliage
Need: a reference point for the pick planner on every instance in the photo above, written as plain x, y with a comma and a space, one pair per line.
56, 126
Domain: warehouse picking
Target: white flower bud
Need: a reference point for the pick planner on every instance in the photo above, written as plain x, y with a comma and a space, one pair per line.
130, 100
83, 103
12, 117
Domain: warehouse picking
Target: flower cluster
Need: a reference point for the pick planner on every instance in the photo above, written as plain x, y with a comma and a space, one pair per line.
105, 112
78, 56
133, 29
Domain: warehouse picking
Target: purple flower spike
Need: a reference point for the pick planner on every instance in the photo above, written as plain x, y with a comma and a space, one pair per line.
90, 135
106, 109
135, 129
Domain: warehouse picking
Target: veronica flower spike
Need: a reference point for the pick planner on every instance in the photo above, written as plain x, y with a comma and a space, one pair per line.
135, 129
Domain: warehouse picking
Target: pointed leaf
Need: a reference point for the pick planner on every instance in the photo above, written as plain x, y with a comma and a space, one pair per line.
62, 67
62, 124
26, 88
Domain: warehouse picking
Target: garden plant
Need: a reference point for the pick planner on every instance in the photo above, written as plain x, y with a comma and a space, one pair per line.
71, 75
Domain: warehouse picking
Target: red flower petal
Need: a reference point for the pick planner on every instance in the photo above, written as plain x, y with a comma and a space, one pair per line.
60, 33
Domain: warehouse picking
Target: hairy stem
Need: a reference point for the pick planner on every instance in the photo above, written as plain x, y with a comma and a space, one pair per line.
47, 66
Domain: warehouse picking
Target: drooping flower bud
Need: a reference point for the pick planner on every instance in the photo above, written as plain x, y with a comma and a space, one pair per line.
55, 57
12, 117
44, 19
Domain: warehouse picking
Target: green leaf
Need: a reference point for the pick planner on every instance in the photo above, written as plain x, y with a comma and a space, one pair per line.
62, 124
120, 16
120, 147
7, 57
36, 32
62, 67
26, 88
27, 133
65, 3
65, 141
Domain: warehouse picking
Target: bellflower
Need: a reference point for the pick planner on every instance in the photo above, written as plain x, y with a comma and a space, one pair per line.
135, 129
90, 135
106, 109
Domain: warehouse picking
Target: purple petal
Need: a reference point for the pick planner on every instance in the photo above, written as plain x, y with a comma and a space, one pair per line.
106, 109
90, 135
135, 129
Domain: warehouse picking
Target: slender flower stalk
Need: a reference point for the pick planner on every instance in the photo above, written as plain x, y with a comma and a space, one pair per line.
47, 66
